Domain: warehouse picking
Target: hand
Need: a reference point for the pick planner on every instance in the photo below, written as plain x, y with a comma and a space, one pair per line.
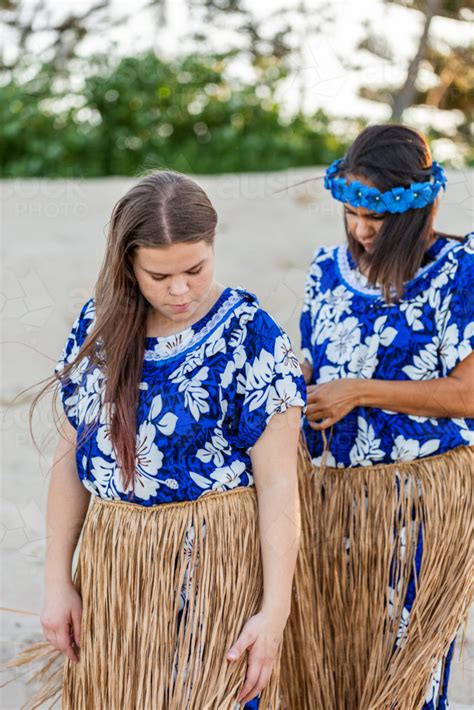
61, 619
262, 636
331, 401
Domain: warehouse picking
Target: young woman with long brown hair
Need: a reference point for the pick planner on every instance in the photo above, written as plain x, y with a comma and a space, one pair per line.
387, 457
177, 463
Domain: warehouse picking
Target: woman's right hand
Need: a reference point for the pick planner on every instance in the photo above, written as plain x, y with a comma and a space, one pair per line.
61, 618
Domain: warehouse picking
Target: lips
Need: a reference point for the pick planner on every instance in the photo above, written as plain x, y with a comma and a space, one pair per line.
180, 306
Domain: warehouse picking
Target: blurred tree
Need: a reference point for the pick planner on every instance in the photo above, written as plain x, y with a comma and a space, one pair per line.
453, 9
440, 63
34, 19
276, 42
455, 87
143, 112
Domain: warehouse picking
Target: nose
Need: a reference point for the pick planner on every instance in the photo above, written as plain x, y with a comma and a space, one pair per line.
362, 230
178, 287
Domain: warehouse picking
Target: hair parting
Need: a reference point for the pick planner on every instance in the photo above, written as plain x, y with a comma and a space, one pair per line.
163, 208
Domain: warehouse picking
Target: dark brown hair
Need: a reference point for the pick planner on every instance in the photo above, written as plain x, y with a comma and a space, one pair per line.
390, 156
164, 208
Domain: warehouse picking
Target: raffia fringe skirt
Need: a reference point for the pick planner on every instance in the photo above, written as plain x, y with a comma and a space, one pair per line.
138, 651
339, 648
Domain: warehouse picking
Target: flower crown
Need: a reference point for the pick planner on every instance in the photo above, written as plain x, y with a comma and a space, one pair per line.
398, 199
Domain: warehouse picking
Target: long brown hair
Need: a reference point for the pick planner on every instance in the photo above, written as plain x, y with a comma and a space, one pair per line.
390, 156
164, 208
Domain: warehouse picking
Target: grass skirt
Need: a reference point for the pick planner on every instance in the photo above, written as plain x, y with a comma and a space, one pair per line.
165, 591
360, 530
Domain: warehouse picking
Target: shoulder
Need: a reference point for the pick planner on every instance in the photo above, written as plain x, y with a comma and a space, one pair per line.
465, 250
451, 274
324, 257
81, 327
460, 259
261, 327
87, 313
88, 310
84, 320
324, 253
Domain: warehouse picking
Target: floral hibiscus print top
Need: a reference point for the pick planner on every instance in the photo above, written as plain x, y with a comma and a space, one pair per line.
349, 331
206, 396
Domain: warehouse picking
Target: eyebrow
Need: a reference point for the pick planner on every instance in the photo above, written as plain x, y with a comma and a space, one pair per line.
368, 214
157, 273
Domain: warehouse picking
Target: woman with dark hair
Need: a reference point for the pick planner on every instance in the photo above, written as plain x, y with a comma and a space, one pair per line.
177, 461
387, 457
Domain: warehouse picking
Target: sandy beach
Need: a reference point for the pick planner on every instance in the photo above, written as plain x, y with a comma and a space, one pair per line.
53, 244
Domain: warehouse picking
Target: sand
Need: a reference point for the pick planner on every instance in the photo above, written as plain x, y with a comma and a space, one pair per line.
53, 241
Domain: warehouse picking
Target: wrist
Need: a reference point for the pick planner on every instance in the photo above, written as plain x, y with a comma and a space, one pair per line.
363, 393
279, 613
57, 574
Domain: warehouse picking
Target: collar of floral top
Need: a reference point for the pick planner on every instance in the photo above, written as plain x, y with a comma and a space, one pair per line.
396, 200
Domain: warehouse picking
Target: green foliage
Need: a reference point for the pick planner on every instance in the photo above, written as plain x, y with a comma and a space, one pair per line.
144, 113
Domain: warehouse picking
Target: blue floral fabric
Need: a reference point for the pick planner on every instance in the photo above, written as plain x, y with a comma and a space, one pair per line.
206, 395
349, 331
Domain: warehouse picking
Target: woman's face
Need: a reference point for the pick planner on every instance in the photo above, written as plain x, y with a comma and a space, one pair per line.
177, 279
363, 224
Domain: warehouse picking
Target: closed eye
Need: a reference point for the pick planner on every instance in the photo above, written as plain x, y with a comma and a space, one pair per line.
162, 278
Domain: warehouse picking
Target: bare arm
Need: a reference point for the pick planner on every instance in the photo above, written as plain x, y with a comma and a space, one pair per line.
274, 459
451, 396
67, 505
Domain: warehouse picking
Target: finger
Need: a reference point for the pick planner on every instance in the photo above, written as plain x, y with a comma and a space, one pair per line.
257, 689
52, 638
73, 644
316, 415
245, 640
261, 683
312, 396
324, 424
76, 623
254, 669
64, 643
255, 666
314, 412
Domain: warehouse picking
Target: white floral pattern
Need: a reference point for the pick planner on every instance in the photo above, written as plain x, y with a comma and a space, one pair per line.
205, 398
349, 331
366, 448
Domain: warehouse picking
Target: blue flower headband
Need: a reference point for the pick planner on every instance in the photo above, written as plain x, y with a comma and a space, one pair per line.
398, 199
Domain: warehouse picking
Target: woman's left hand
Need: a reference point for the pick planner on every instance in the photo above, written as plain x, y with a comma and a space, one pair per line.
330, 402
261, 636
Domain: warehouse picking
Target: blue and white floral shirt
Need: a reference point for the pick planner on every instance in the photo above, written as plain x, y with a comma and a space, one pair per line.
349, 331
206, 396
